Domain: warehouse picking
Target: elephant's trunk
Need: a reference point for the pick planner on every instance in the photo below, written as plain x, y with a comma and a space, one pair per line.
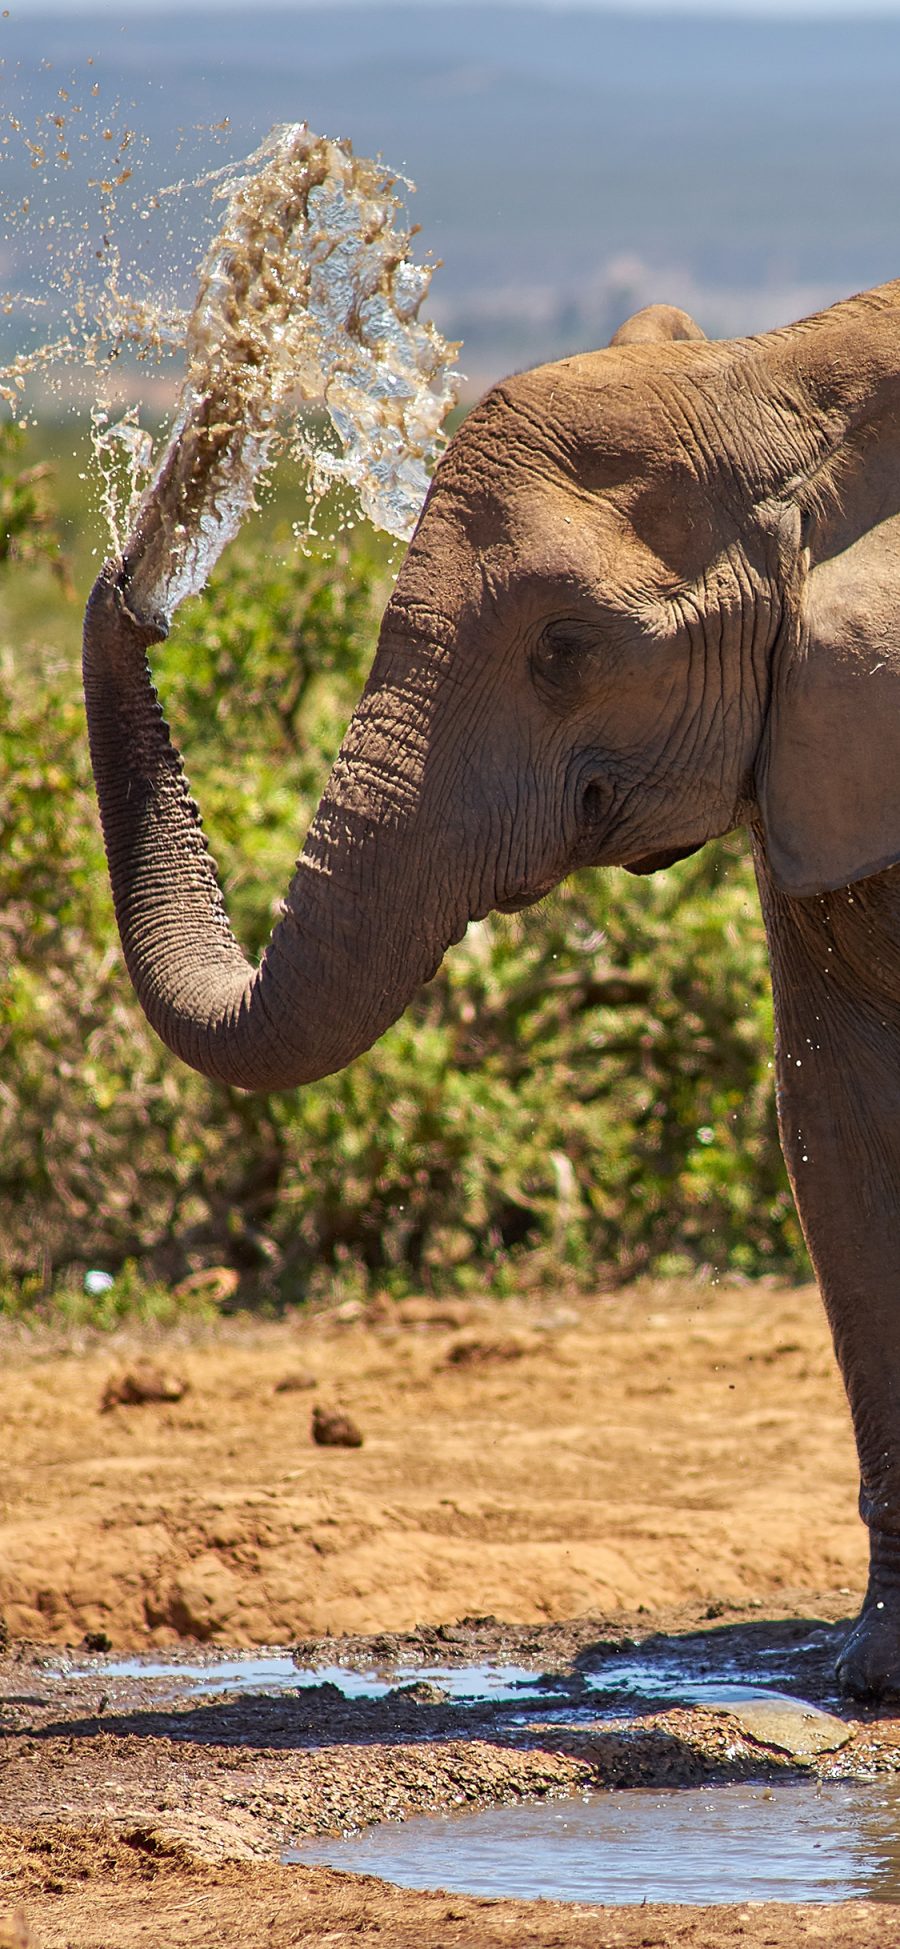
356, 937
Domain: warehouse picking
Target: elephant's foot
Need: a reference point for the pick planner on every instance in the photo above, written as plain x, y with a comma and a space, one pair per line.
869, 1663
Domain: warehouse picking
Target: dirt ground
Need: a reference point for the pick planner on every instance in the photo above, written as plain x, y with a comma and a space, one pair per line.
673, 1460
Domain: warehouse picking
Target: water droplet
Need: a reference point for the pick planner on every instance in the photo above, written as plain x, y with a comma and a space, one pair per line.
307, 296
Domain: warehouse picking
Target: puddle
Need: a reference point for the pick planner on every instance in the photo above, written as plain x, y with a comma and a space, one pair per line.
524, 1699
610, 1688
806, 1840
274, 1672
667, 1681
700, 1679
703, 1845
490, 1684
620, 1688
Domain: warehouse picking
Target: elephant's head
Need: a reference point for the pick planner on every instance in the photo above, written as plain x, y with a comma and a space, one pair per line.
651, 595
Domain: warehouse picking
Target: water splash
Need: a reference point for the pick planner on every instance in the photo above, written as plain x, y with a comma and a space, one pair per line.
66, 173
307, 295
307, 292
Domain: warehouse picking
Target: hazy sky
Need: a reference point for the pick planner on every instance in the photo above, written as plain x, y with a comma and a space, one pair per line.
124, 10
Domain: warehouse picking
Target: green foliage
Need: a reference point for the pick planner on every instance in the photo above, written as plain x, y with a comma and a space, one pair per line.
27, 527
590, 1089
583, 1092
132, 1300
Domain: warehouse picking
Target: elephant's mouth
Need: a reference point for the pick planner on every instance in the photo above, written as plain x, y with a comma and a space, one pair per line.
603, 802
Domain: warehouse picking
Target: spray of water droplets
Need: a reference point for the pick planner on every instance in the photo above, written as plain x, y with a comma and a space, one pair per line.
307, 294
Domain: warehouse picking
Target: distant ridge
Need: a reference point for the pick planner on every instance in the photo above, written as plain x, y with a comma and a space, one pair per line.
570, 163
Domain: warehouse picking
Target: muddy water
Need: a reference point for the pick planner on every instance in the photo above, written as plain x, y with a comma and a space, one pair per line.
475, 1694
307, 294
736, 1843
696, 1766
276, 1672
711, 1844
613, 1690
609, 1690
791, 1841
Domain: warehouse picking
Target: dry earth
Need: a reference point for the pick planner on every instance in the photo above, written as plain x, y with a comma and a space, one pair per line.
674, 1459
673, 1444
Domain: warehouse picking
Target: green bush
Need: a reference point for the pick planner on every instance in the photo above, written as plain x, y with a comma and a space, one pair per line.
587, 1089
27, 527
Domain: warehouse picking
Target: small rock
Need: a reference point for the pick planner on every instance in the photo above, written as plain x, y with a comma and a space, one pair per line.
473, 1350
139, 1384
295, 1383
97, 1641
422, 1691
791, 1726
332, 1428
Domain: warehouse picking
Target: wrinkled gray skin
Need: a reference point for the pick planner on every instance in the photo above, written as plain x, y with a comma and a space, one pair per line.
654, 594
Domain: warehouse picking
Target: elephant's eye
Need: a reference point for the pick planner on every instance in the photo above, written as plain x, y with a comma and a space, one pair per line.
564, 651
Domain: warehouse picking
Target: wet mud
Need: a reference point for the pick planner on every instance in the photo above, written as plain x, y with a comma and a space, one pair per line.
192, 1776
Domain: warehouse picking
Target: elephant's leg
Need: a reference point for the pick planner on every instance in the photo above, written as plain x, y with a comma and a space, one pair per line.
836, 977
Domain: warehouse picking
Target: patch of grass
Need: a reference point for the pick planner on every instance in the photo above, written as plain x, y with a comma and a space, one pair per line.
131, 1300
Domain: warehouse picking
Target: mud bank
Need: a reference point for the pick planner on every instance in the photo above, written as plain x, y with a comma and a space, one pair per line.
666, 1478
118, 1789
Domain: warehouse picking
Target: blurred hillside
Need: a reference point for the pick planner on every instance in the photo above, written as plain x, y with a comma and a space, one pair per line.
569, 165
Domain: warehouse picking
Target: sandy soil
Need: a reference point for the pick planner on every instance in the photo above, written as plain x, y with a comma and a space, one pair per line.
677, 1458
670, 1445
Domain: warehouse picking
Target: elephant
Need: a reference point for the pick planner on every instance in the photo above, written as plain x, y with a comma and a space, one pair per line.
653, 595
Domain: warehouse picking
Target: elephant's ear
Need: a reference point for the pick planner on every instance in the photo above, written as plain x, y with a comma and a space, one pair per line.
828, 781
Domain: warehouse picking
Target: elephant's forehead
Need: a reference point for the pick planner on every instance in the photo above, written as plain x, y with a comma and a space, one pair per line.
600, 402
623, 410
549, 532
536, 536
515, 497
612, 423
513, 524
